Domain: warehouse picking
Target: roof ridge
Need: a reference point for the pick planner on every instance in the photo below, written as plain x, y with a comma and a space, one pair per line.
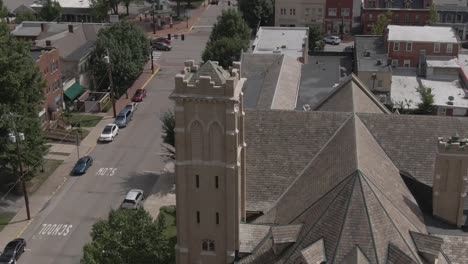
324, 212
348, 201
368, 218
369, 94
330, 139
391, 220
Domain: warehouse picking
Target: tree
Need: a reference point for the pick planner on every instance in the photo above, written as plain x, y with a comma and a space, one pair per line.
3, 10
224, 51
230, 25
127, 3
315, 38
168, 135
257, 12
433, 16
128, 236
426, 106
50, 11
382, 22
101, 8
25, 17
128, 48
21, 94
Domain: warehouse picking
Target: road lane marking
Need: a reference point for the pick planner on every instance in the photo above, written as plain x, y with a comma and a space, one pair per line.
24, 228
106, 172
151, 77
55, 230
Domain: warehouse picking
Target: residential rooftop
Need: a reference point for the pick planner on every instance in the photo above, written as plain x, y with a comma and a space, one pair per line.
371, 54
68, 3
422, 34
282, 40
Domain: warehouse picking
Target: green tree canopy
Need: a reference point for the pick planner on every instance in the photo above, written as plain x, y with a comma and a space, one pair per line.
315, 38
3, 10
433, 16
50, 11
168, 135
21, 94
230, 25
426, 106
257, 12
101, 8
25, 17
128, 48
128, 236
224, 51
382, 22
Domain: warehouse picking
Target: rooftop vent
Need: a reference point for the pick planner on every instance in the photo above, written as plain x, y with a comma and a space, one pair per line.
379, 62
283, 47
366, 53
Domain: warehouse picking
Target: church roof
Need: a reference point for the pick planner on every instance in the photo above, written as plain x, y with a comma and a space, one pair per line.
211, 69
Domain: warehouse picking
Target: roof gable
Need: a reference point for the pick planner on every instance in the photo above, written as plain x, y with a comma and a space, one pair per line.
351, 96
211, 69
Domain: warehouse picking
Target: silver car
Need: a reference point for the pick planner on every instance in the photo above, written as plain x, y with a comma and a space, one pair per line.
133, 200
334, 40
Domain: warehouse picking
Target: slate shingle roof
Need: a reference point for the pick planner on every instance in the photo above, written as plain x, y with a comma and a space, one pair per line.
211, 69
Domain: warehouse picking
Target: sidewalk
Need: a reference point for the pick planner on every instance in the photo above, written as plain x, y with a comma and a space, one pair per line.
163, 192
39, 199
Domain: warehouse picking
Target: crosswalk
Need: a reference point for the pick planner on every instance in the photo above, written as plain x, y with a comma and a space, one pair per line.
156, 55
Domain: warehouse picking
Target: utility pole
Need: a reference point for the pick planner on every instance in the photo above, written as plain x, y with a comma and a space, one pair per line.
152, 61
111, 83
15, 137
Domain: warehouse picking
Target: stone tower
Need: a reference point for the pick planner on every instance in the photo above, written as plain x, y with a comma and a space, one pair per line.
210, 163
450, 180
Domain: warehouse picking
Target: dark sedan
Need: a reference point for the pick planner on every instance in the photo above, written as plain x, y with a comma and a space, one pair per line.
82, 165
13, 251
161, 46
164, 40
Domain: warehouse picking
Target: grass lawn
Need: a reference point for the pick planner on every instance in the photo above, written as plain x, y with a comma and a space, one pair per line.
4, 220
49, 167
170, 216
85, 120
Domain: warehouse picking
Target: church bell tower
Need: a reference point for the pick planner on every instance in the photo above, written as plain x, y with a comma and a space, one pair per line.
210, 162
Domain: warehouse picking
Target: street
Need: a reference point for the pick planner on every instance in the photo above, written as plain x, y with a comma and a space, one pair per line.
61, 229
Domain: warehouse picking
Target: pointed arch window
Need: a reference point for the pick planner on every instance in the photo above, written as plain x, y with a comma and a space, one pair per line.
196, 134
216, 142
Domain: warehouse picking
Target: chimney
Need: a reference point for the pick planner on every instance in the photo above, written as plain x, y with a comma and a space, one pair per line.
43, 27
70, 28
48, 43
450, 180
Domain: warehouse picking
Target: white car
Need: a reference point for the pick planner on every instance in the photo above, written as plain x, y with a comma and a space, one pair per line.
109, 133
133, 200
334, 40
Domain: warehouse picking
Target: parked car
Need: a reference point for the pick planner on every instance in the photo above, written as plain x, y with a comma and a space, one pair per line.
13, 251
82, 165
164, 40
124, 117
139, 95
133, 199
131, 106
334, 40
161, 46
109, 133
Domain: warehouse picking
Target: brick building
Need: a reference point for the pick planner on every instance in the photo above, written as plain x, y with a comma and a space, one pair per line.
339, 14
47, 59
405, 43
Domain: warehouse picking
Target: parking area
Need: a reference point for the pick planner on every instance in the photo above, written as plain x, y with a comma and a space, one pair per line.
338, 48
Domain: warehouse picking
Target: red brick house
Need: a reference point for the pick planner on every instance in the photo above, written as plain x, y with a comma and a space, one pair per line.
400, 16
404, 43
338, 13
47, 59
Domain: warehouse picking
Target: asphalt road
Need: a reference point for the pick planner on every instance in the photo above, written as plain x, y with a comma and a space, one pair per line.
57, 235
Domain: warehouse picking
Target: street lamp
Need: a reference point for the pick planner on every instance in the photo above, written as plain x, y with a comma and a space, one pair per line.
15, 138
111, 84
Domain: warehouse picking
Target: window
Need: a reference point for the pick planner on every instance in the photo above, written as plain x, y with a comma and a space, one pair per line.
345, 12
407, 63
449, 17
56, 85
408, 3
395, 63
459, 18
416, 19
436, 47
197, 181
53, 66
198, 216
409, 46
283, 11
208, 245
307, 11
319, 11
371, 4
406, 19
396, 46
379, 83
332, 11
217, 218
388, 3
396, 19
449, 48
292, 12
216, 182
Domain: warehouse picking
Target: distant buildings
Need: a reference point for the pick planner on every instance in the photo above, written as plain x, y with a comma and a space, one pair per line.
298, 13
72, 10
453, 13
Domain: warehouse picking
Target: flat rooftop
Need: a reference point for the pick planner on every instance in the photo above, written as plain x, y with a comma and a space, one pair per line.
405, 84
281, 40
371, 54
422, 34
442, 62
